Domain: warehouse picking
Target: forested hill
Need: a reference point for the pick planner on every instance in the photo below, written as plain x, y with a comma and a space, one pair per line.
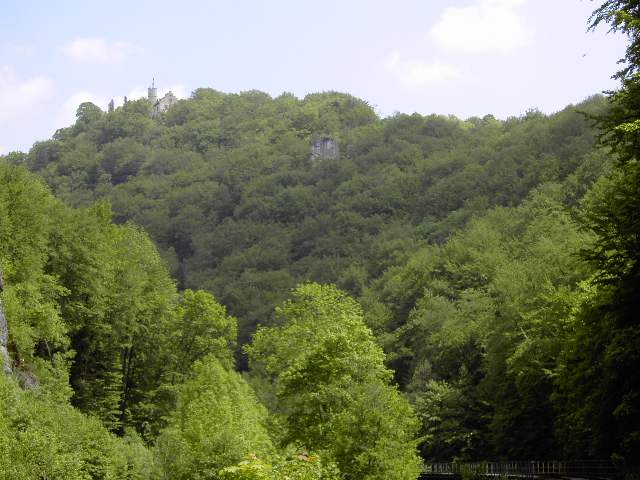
226, 186
485, 256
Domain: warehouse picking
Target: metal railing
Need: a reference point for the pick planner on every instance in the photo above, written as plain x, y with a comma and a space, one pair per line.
532, 468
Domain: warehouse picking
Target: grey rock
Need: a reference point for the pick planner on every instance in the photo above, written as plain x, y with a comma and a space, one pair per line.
323, 148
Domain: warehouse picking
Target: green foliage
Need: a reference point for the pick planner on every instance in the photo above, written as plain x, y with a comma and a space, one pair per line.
332, 387
475, 327
95, 319
460, 238
91, 303
598, 379
119, 311
302, 466
204, 328
38, 336
41, 437
226, 187
217, 422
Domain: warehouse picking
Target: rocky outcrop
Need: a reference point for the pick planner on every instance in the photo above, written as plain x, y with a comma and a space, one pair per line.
4, 334
4, 337
324, 148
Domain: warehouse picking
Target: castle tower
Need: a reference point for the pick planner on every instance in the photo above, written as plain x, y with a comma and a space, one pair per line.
152, 92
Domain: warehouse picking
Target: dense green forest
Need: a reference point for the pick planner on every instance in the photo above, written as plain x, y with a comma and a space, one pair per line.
226, 186
195, 295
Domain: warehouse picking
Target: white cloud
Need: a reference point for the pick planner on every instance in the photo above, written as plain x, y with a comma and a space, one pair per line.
67, 113
3, 150
137, 93
19, 97
98, 50
488, 26
415, 73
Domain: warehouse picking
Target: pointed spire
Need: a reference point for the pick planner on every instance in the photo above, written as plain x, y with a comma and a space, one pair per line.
152, 92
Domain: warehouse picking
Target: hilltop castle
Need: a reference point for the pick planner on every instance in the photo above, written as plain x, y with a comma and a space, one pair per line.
163, 104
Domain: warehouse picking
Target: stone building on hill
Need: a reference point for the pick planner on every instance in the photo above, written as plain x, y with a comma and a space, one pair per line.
163, 104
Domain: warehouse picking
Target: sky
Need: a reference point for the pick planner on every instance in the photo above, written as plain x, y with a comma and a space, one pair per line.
460, 57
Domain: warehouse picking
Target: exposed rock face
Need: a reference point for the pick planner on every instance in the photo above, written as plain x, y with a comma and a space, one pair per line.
4, 337
324, 148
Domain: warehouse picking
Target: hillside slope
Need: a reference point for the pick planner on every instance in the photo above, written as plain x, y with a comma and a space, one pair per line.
226, 186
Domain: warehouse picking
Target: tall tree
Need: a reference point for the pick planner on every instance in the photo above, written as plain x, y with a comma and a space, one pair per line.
599, 378
332, 387
218, 421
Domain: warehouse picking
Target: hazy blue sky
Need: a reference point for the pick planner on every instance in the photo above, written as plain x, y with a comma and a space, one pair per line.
461, 57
